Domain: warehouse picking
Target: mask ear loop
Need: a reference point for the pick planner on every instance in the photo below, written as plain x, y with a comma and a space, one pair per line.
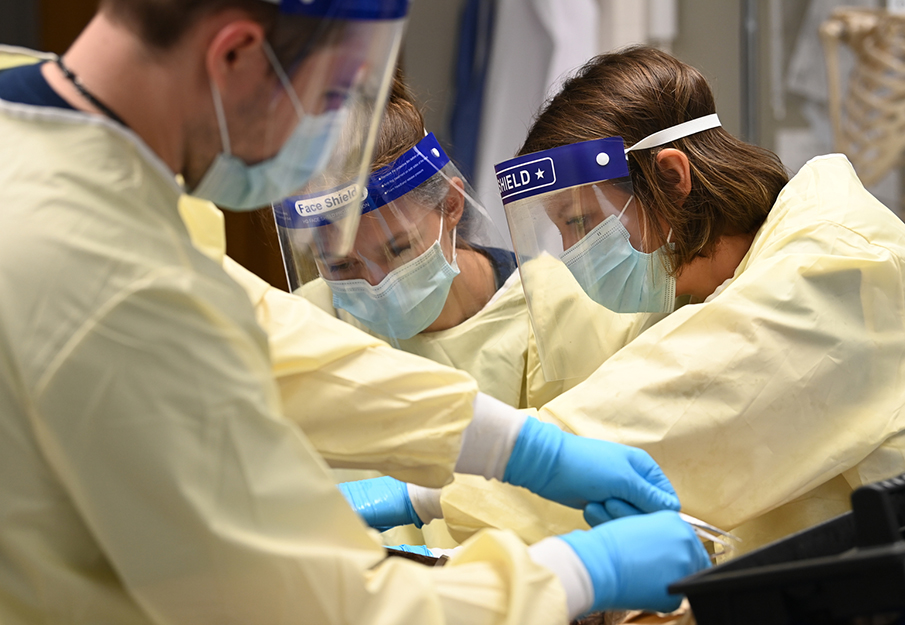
440, 236
644, 229
624, 208
601, 199
221, 119
665, 258
454, 250
679, 131
284, 79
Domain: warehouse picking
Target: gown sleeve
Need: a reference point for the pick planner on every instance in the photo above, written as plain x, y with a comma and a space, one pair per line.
161, 420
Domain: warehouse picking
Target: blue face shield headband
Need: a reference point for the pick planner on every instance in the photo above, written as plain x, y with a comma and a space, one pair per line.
346, 9
604, 262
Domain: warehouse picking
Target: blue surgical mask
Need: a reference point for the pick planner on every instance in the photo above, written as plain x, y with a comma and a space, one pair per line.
231, 183
407, 300
616, 275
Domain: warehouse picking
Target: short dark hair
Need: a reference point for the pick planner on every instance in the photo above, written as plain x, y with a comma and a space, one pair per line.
162, 23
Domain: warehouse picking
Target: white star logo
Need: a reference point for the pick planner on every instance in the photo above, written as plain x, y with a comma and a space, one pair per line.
540, 173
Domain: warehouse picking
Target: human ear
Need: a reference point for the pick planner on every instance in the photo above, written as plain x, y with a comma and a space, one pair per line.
454, 204
235, 60
674, 164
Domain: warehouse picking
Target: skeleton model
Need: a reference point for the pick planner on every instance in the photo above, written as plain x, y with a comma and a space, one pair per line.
869, 124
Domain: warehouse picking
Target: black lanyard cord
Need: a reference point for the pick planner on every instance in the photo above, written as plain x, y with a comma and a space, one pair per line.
103, 108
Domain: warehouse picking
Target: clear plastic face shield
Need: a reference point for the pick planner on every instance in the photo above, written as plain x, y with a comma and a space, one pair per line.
420, 228
582, 239
324, 111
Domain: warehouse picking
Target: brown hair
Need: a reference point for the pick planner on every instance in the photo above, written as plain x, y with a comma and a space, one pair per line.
161, 23
637, 92
401, 127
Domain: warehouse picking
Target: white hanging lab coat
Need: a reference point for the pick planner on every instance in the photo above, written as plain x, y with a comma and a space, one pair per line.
535, 44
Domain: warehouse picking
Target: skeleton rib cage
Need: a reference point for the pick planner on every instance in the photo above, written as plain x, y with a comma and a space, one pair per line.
869, 124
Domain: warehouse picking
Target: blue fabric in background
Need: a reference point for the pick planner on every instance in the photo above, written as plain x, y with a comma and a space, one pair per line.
475, 44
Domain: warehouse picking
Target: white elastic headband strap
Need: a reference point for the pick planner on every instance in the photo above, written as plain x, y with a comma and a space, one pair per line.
677, 132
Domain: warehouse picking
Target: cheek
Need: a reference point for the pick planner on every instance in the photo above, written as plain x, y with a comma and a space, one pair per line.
260, 128
569, 237
282, 119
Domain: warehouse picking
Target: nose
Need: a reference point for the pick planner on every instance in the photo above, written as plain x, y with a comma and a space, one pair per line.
371, 271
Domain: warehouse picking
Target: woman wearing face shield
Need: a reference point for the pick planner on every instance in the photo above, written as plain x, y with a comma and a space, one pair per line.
776, 390
429, 272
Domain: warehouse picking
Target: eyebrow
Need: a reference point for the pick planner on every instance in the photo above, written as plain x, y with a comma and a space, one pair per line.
558, 206
393, 241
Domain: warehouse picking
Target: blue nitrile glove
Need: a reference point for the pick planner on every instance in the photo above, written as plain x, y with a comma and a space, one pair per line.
577, 471
596, 513
419, 549
383, 502
631, 561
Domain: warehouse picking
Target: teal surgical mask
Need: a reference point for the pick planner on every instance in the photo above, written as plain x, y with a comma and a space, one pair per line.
231, 183
407, 300
616, 275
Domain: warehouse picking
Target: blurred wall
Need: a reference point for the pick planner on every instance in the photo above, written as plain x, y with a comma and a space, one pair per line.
429, 58
61, 21
19, 23
709, 39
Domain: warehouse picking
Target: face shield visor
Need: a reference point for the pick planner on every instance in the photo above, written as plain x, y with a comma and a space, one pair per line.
333, 60
581, 236
419, 221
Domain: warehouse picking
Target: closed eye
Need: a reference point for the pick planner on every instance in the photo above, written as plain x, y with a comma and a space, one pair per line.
394, 250
342, 268
334, 99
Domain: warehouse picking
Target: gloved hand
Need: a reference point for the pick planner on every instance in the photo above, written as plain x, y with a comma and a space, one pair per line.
383, 502
577, 471
631, 561
419, 549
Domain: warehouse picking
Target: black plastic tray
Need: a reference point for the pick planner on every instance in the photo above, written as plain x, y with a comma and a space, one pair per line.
852, 566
